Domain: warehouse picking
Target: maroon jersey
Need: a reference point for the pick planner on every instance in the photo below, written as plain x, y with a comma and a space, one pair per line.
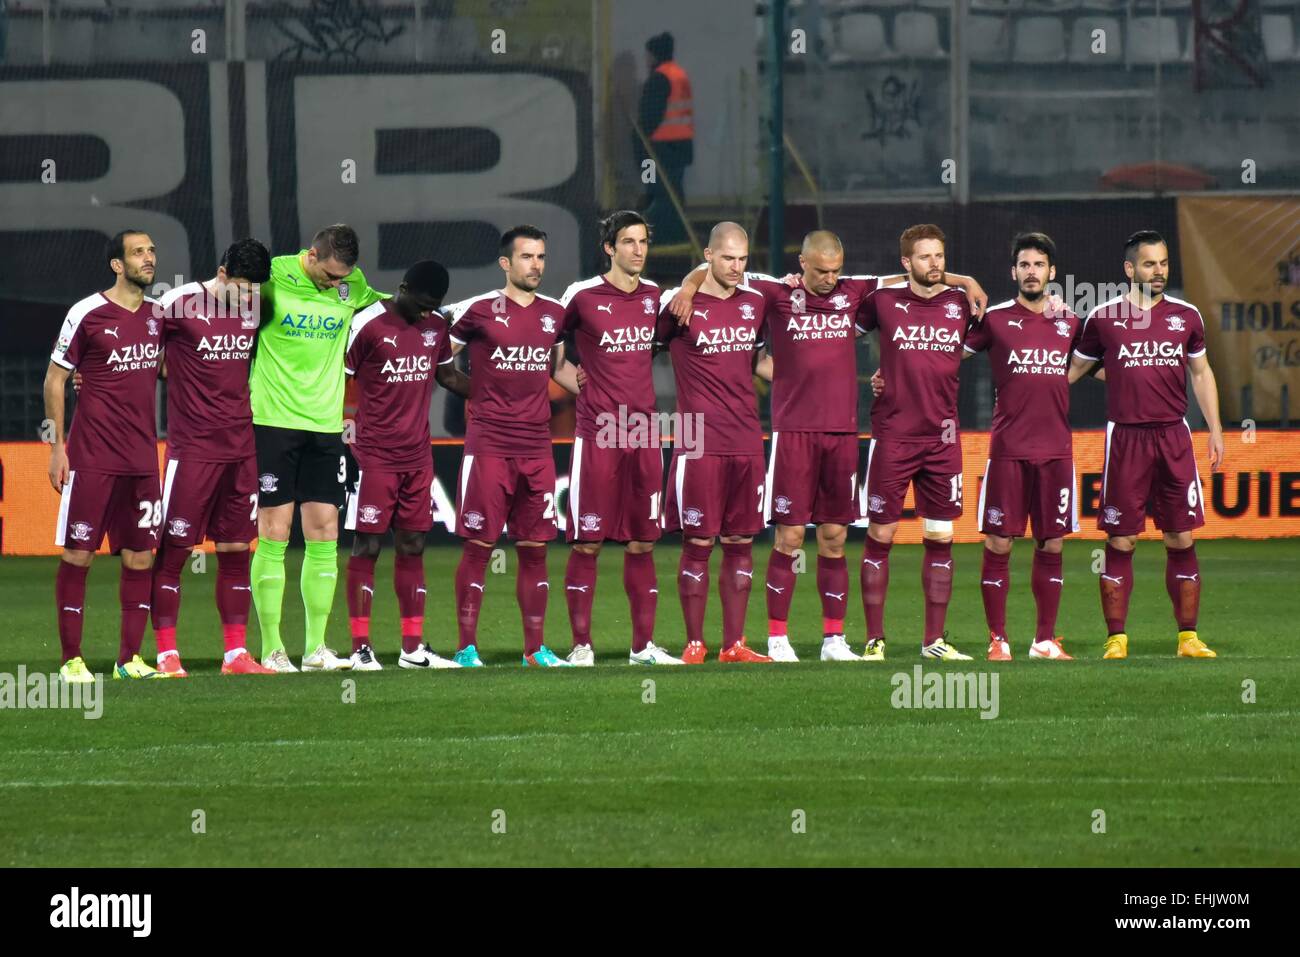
117, 353
1030, 355
814, 357
1145, 358
208, 354
614, 331
510, 371
394, 363
713, 361
920, 354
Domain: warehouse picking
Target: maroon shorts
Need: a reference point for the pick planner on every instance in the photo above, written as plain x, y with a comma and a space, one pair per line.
1150, 464
516, 494
128, 508
715, 495
1017, 491
933, 468
216, 500
812, 477
614, 493
401, 499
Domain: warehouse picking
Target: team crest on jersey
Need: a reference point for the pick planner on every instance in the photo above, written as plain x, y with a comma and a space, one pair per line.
590, 522
781, 505
1110, 515
81, 532
178, 526
430, 337
1175, 323
648, 304
692, 516
548, 325
1062, 328
876, 503
746, 312
840, 301
994, 515
343, 292
473, 520
368, 514
952, 310
268, 482
797, 300
152, 326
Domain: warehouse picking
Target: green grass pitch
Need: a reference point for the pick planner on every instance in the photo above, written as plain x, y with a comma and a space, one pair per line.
580, 770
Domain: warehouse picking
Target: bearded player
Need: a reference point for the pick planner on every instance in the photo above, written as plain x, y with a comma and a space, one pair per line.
210, 484
397, 348
716, 482
507, 476
297, 386
914, 436
107, 473
1148, 343
813, 459
1029, 476
615, 483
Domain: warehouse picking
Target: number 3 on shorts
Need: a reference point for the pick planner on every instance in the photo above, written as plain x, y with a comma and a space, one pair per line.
343, 469
1065, 501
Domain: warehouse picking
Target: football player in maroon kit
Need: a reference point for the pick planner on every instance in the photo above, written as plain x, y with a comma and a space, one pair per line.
107, 473
1029, 475
813, 459
1148, 342
921, 325
210, 484
716, 480
507, 476
397, 348
616, 473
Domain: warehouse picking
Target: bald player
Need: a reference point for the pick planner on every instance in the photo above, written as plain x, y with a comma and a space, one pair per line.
813, 459
716, 482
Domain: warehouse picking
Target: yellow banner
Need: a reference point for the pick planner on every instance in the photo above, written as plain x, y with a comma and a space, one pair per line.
1241, 268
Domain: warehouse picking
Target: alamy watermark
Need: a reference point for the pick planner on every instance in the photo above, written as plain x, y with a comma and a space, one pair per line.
75, 910
39, 691
652, 430
947, 690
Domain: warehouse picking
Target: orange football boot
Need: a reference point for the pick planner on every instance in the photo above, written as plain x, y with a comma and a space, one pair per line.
741, 652
171, 666
695, 653
999, 650
245, 664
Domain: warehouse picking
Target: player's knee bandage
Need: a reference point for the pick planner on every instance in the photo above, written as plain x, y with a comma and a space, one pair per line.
933, 529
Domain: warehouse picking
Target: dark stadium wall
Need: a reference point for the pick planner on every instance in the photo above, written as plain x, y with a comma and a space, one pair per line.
217, 150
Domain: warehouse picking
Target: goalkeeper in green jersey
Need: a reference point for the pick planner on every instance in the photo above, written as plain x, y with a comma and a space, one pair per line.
297, 386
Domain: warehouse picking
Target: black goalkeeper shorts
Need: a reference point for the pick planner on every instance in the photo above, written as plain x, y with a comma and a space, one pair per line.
294, 465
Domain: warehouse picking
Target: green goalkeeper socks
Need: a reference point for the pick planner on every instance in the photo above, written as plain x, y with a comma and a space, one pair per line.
320, 573
267, 574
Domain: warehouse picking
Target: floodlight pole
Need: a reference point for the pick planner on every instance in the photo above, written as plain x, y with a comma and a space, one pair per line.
776, 134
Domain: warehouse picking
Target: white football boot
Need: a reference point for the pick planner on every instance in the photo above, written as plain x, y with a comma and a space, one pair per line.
835, 648
423, 657
324, 659
652, 654
363, 659
582, 656
778, 649
279, 661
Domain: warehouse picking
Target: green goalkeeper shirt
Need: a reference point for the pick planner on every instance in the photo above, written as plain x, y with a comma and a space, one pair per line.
297, 379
